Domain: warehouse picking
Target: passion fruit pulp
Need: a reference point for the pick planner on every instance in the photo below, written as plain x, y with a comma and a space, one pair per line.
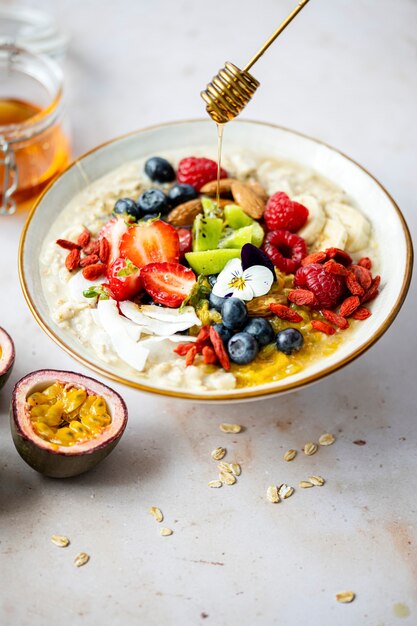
64, 423
7, 354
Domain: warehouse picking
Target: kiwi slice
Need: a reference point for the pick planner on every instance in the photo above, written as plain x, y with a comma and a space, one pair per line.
237, 238
236, 217
206, 233
211, 261
258, 234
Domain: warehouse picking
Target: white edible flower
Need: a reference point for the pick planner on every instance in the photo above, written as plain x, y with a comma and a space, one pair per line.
243, 284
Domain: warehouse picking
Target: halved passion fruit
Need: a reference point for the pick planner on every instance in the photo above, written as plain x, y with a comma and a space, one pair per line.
64, 423
6, 356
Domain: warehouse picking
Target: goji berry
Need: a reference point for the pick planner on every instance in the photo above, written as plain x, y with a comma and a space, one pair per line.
349, 305
285, 313
219, 348
91, 272
373, 290
339, 255
92, 248
363, 276
362, 313
84, 238
104, 250
323, 327
73, 260
354, 287
191, 354
365, 262
89, 260
333, 267
67, 245
182, 348
315, 257
301, 297
209, 356
334, 318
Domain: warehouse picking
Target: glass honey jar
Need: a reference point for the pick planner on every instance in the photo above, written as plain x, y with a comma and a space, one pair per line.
34, 137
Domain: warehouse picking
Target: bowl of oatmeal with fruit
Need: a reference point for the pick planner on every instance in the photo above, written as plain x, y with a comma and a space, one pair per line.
156, 266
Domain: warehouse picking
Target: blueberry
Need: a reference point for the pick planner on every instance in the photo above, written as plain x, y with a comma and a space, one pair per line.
242, 348
234, 314
153, 201
224, 332
261, 329
180, 193
127, 206
216, 302
212, 278
159, 170
289, 340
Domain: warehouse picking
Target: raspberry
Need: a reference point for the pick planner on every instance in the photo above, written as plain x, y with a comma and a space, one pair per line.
329, 289
198, 171
285, 250
282, 213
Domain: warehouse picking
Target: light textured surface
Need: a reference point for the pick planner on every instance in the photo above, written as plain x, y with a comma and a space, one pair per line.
345, 72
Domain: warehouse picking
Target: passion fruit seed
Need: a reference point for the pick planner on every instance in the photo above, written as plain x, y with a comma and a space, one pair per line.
65, 415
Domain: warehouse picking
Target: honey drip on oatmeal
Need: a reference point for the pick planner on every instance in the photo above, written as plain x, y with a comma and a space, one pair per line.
40, 158
220, 129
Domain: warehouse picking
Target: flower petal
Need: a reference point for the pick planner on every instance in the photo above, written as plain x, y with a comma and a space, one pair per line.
259, 278
230, 270
243, 293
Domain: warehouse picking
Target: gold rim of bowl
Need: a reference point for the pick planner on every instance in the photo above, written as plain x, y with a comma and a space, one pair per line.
248, 392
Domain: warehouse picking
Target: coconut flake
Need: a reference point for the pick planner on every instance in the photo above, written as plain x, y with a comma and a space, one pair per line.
165, 314
77, 284
154, 326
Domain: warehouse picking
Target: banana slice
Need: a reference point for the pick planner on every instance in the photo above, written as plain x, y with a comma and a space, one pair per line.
333, 235
316, 218
357, 226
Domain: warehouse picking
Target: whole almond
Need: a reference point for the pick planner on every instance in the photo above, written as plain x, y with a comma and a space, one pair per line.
91, 259
84, 238
73, 260
225, 187
104, 250
246, 198
258, 189
184, 214
92, 272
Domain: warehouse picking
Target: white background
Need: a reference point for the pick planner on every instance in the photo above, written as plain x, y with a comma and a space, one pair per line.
344, 72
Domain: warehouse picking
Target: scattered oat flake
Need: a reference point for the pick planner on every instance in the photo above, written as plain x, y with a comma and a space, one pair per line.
345, 597
285, 491
227, 478
215, 484
235, 469
318, 481
156, 513
310, 448
218, 453
224, 467
230, 428
81, 559
327, 439
272, 494
165, 532
305, 484
60, 541
290, 455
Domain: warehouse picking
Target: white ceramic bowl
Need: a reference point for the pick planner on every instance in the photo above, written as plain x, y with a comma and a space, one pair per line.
390, 232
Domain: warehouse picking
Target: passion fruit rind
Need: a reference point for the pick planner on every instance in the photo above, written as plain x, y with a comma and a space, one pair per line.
63, 461
7, 354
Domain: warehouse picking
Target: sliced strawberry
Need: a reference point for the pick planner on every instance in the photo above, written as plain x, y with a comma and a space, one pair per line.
124, 279
186, 241
113, 231
151, 242
168, 283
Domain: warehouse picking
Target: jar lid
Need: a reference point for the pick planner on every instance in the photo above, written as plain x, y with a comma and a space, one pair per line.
34, 30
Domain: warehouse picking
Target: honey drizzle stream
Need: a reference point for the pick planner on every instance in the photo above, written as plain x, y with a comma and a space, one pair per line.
220, 128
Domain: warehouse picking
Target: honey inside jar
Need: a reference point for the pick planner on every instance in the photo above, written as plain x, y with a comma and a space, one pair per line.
34, 144
65, 415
